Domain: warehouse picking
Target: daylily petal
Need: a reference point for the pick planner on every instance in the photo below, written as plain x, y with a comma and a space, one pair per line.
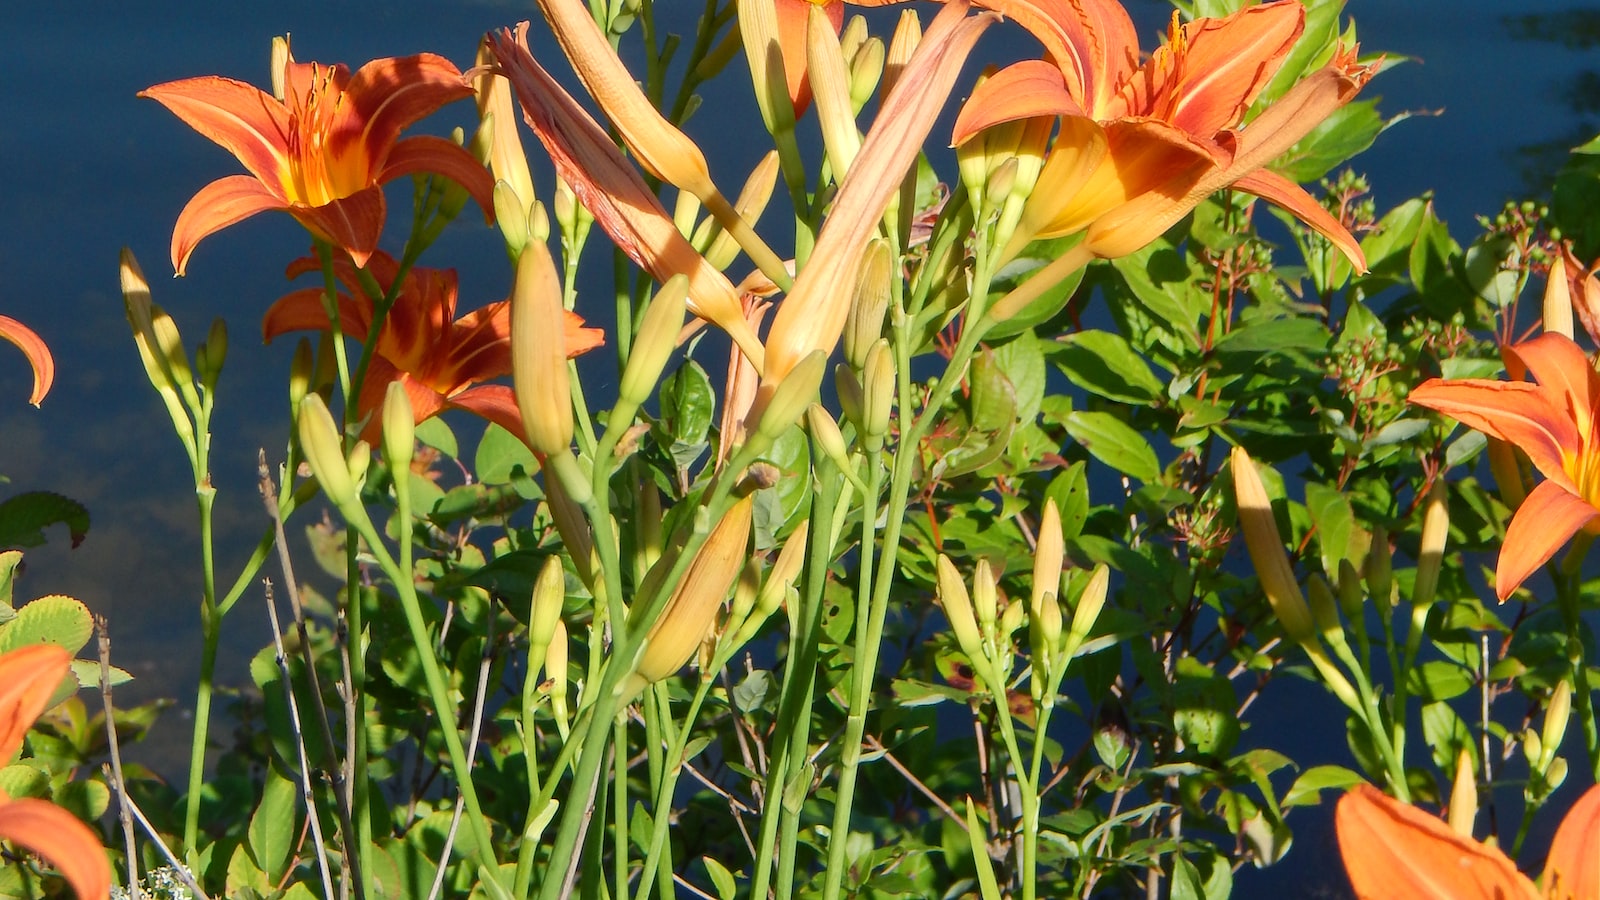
1144, 158
614, 192
385, 96
1394, 851
495, 402
1572, 870
1093, 42
426, 153
1210, 71
1513, 411
38, 354
812, 317
219, 204
242, 118
302, 310
28, 678
1285, 194
792, 16
1563, 369
353, 223
63, 840
1548, 518
1021, 90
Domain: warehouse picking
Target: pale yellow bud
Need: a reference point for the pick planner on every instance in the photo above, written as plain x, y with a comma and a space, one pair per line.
1463, 796
1555, 773
758, 28
141, 315
1430, 552
826, 433
1324, 610
278, 62
1265, 545
1013, 618
1049, 550
539, 354
690, 611
1090, 602
1351, 595
787, 401
745, 591
555, 672
212, 353
907, 35
319, 441
780, 581
752, 202
849, 390
853, 36
830, 91
302, 368
360, 461
512, 218
503, 154
549, 593
656, 339
1048, 622
399, 430
1556, 715
866, 69
1558, 299
985, 595
1532, 748
957, 605
864, 324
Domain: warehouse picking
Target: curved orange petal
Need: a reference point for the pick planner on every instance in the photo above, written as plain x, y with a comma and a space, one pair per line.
1572, 870
1143, 157
579, 338
59, 837
1093, 42
792, 16
242, 118
386, 95
352, 223
1208, 74
219, 204
38, 354
302, 310
1021, 90
1394, 851
1513, 411
28, 677
1562, 368
1285, 194
495, 402
426, 153
1548, 518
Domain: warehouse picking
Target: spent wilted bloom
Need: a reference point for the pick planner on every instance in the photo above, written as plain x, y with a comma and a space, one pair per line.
324, 149
1552, 420
29, 677
39, 358
441, 360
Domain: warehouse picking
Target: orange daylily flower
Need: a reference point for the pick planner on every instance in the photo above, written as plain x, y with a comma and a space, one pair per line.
324, 151
28, 678
33, 347
792, 16
1554, 423
1394, 851
438, 358
1141, 146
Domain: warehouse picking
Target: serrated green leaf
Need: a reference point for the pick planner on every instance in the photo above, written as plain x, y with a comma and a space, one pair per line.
53, 619
24, 517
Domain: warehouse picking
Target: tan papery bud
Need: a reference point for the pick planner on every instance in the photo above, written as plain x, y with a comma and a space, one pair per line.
1265, 544
690, 611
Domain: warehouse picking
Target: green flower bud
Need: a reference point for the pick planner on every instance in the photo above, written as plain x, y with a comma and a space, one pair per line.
399, 429
788, 401
549, 593
319, 441
957, 605
654, 342
877, 394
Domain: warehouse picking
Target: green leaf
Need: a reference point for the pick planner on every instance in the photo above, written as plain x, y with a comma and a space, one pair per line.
1307, 789
1070, 491
1050, 303
1159, 280
436, 434
87, 800
1112, 442
24, 517
1185, 880
688, 407
1338, 535
1345, 132
1103, 363
1022, 361
271, 834
88, 673
727, 888
1439, 680
54, 619
499, 454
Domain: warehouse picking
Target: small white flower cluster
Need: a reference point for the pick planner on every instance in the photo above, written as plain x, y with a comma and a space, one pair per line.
164, 883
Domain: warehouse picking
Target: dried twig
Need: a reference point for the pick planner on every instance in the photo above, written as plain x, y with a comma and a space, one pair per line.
299, 744
117, 781
182, 871
472, 751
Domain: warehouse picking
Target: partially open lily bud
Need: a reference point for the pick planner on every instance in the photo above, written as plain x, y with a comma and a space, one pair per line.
830, 89
656, 339
1463, 796
957, 605
539, 353
1430, 552
1265, 544
1049, 549
399, 430
863, 325
1558, 299
319, 441
690, 611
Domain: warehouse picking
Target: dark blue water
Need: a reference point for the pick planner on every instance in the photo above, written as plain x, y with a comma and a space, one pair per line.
89, 168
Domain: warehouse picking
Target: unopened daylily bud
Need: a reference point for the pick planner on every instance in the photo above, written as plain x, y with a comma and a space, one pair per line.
825, 432
169, 344
985, 595
877, 394
957, 605
1430, 552
1532, 748
745, 591
780, 580
1558, 299
1265, 545
997, 188
1324, 610
512, 218
1379, 569
302, 368
1087, 611
1507, 473
687, 617
1013, 618
853, 36
1555, 774
648, 527
656, 339
830, 90
1048, 624
1463, 796
319, 441
574, 531
504, 154
864, 325
849, 391
1049, 550
787, 401
866, 69
399, 429
907, 35
752, 202
212, 354
1351, 595
278, 63
549, 593
360, 462
539, 354
1556, 715
555, 671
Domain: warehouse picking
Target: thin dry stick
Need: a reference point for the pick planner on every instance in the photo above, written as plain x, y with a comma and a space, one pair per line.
179, 868
299, 743
117, 780
876, 746
472, 751
352, 854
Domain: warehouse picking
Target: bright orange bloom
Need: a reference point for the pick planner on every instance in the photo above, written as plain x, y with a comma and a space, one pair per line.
33, 347
1553, 422
438, 358
1141, 146
1394, 851
323, 152
28, 678
791, 22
